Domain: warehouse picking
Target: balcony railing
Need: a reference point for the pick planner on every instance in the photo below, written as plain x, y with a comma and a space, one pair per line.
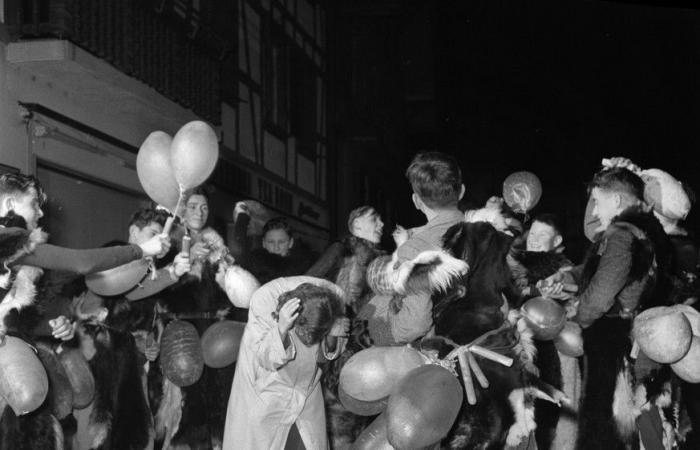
178, 47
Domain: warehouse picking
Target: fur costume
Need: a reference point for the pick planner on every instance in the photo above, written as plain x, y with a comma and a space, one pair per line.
613, 397
38, 429
476, 305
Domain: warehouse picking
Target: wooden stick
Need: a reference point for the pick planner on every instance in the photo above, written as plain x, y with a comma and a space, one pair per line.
467, 377
493, 356
478, 373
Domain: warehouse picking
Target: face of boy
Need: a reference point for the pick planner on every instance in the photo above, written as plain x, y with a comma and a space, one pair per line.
369, 226
26, 205
606, 205
542, 238
140, 235
278, 242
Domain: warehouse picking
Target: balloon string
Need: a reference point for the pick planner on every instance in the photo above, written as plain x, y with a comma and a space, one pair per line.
169, 223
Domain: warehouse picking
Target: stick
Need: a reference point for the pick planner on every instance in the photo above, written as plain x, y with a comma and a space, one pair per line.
171, 219
493, 356
467, 377
478, 373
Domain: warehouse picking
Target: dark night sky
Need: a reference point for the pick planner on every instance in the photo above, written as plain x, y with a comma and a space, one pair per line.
553, 86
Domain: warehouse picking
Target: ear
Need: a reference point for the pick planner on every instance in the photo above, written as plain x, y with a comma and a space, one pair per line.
133, 229
558, 240
462, 191
617, 198
417, 202
7, 205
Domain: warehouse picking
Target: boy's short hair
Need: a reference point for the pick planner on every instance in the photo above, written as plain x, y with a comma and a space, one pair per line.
357, 213
436, 178
619, 180
18, 184
278, 223
551, 220
144, 216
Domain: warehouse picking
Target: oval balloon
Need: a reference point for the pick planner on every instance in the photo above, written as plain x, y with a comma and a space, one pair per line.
359, 407
663, 334
117, 280
522, 191
154, 170
374, 437
80, 377
665, 194
23, 380
688, 368
591, 224
181, 356
423, 408
220, 343
60, 390
373, 373
544, 316
569, 341
194, 153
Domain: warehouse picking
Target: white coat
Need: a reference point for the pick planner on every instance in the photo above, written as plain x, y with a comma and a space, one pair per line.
274, 387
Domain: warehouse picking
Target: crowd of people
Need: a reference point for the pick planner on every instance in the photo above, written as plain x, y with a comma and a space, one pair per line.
461, 277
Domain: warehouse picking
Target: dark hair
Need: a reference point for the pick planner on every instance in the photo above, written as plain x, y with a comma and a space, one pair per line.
277, 223
357, 213
436, 178
199, 190
144, 216
318, 309
17, 183
549, 219
619, 180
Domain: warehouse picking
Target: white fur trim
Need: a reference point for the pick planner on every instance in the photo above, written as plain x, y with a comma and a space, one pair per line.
167, 420
524, 418
444, 268
625, 404
22, 292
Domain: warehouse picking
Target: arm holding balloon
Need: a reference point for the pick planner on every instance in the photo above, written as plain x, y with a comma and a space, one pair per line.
165, 277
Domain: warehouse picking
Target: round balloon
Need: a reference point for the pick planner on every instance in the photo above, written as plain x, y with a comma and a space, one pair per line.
61, 393
360, 407
117, 280
688, 368
181, 357
544, 316
23, 380
663, 334
80, 377
423, 408
220, 343
194, 153
154, 171
569, 341
522, 191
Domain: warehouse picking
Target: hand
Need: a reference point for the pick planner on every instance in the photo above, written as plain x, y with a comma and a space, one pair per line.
157, 246
240, 208
341, 327
181, 264
618, 161
400, 235
571, 308
288, 315
62, 328
494, 203
200, 250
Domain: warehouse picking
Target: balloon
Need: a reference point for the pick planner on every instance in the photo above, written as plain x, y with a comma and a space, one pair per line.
522, 191
360, 407
688, 368
194, 153
374, 437
154, 170
545, 317
665, 194
663, 334
117, 280
23, 380
569, 341
423, 408
181, 356
692, 314
591, 225
80, 377
60, 392
371, 374
220, 343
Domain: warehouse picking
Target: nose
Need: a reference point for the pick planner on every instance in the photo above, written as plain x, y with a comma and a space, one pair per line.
40, 214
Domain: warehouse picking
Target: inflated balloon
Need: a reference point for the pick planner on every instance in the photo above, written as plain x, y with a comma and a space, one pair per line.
544, 316
23, 380
569, 341
239, 285
60, 397
193, 154
360, 407
663, 334
591, 224
692, 314
154, 170
374, 437
665, 194
522, 191
688, 368
181, 356
220, 343
79, 375
117, 280
373, 373
423, 408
